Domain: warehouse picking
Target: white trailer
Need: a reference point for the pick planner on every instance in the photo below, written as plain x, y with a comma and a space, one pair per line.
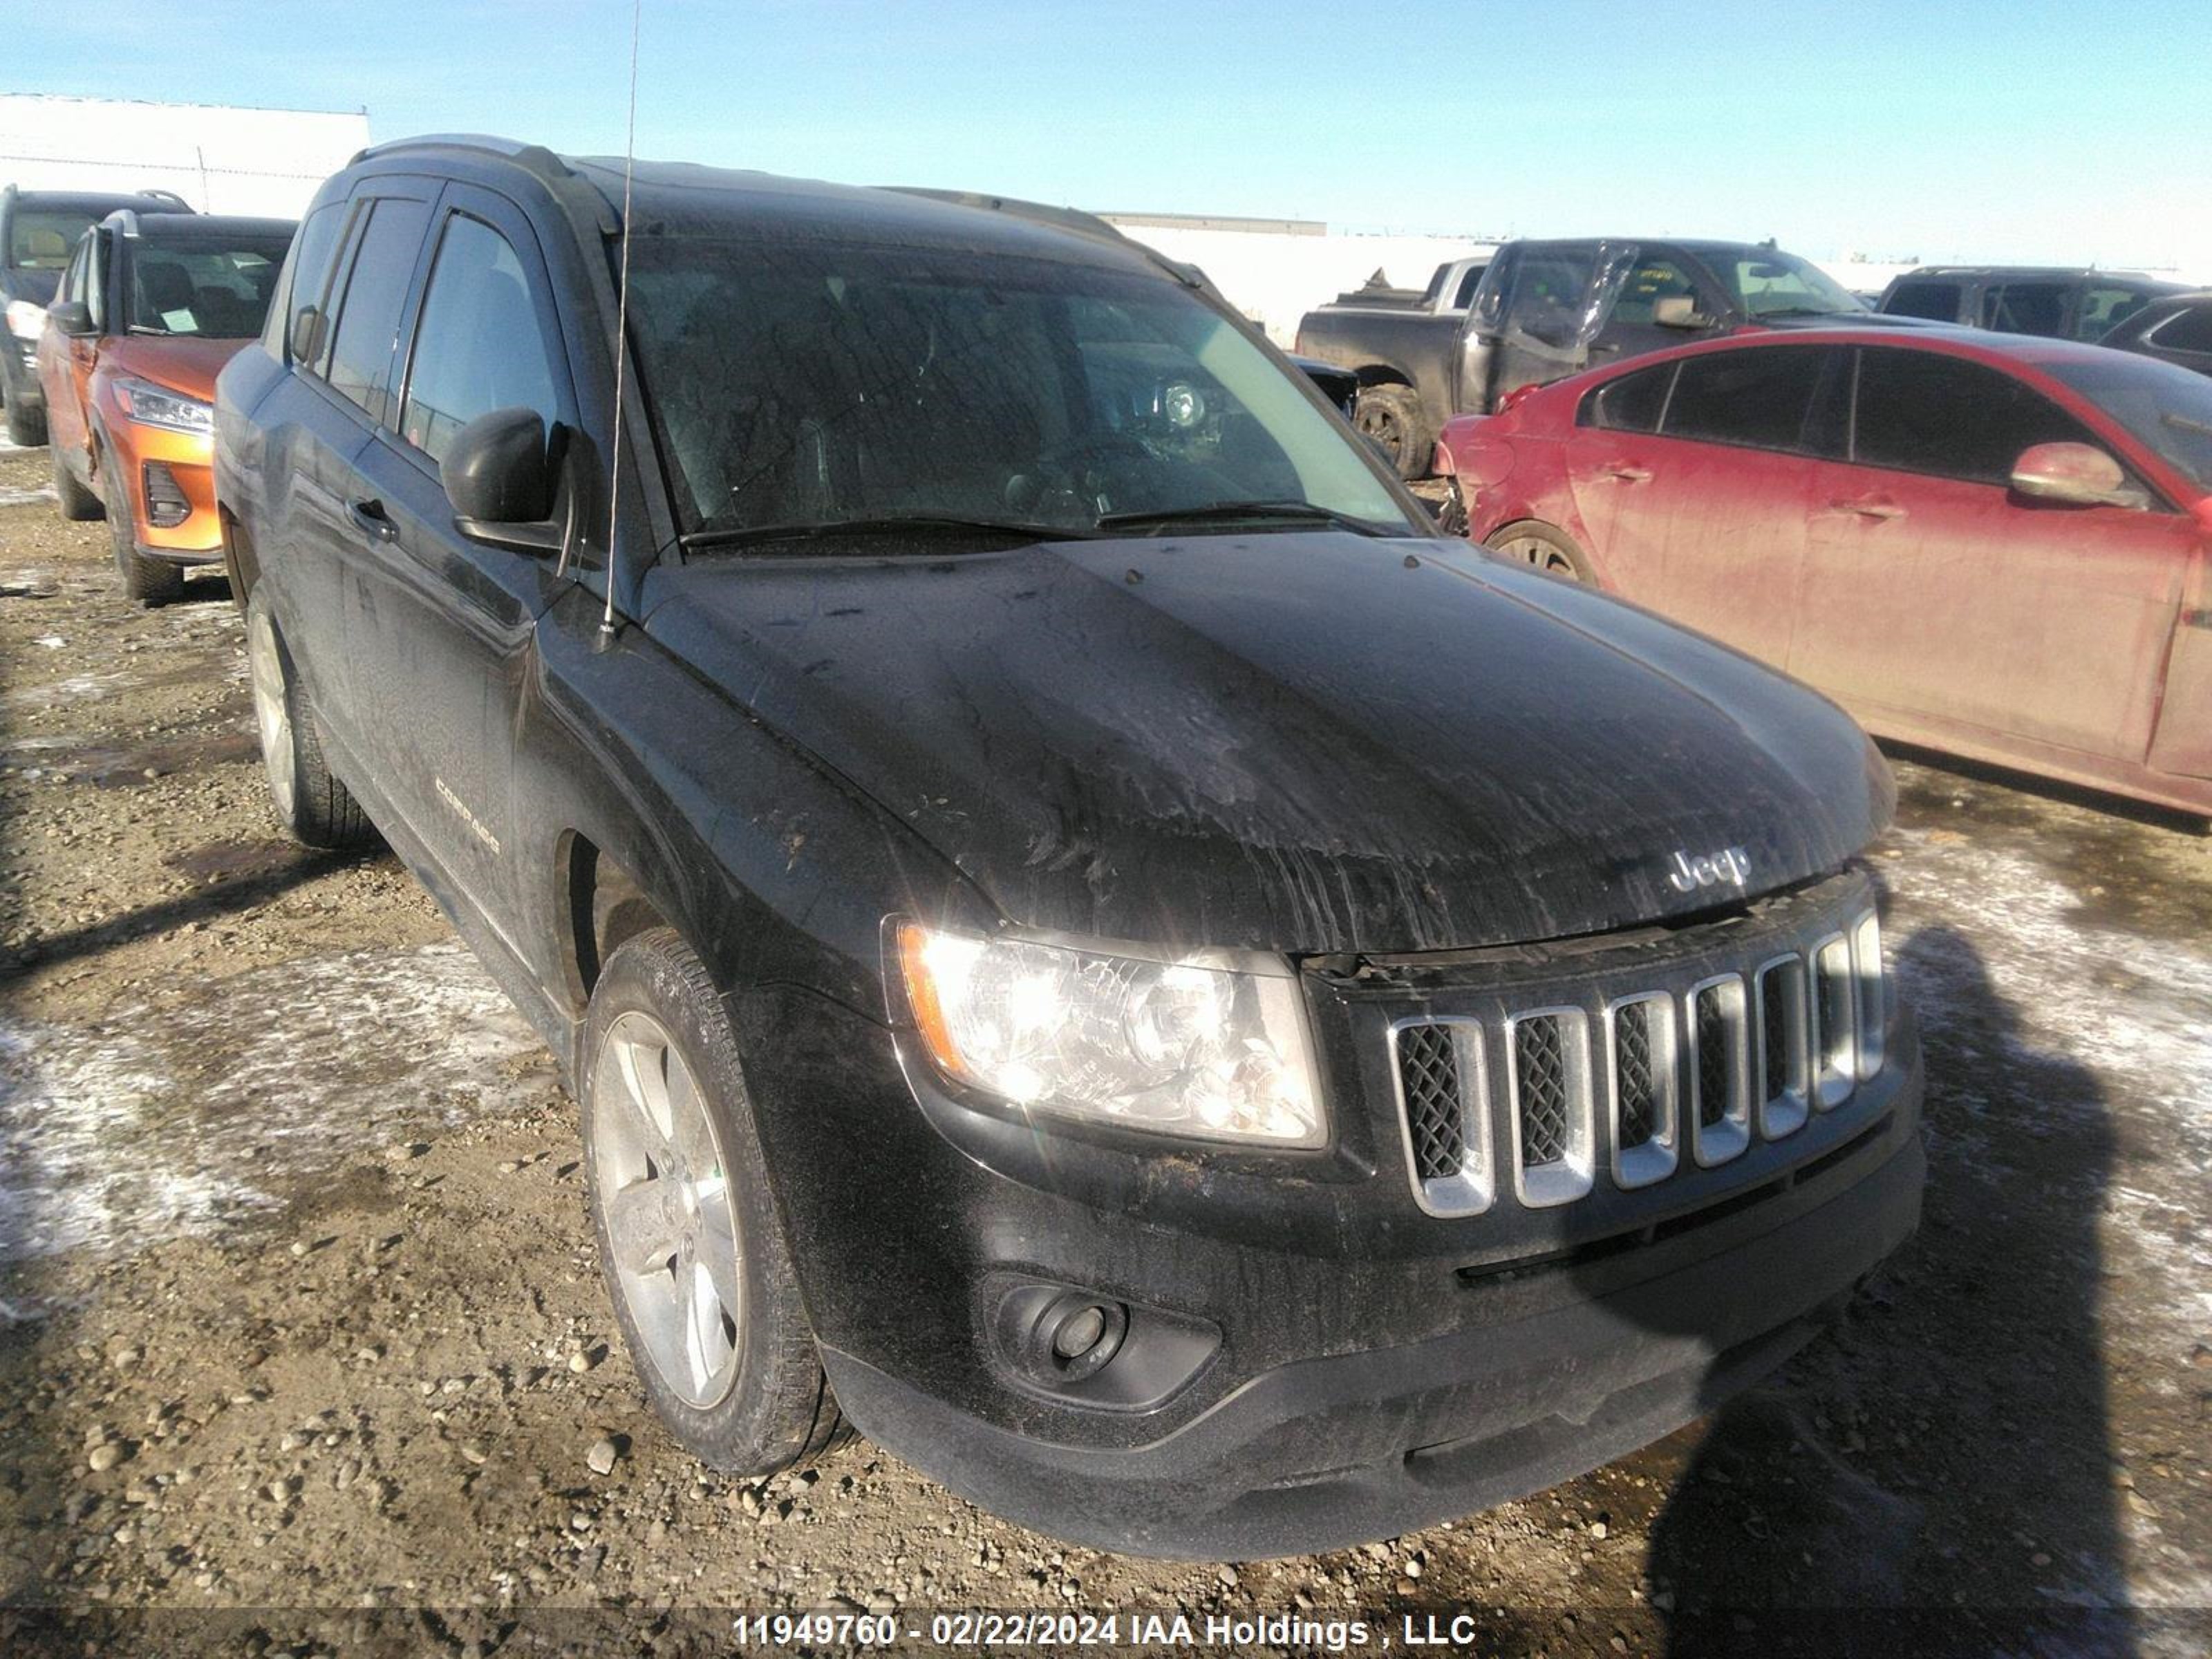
220, 159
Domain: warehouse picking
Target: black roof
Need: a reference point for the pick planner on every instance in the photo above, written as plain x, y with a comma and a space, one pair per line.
2054, 273
685, 198
172, 227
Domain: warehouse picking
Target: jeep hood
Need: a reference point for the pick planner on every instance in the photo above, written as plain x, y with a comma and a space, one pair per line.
1297, 742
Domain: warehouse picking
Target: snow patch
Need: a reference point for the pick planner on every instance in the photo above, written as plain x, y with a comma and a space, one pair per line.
110, 1140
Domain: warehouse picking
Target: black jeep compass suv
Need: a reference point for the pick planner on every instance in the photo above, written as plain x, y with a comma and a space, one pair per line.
1089, 943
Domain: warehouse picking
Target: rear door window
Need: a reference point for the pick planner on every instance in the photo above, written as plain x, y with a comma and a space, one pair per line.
479, 345
1938, 302
2025, 307
1920, 411
1634, 403
1760, 398
1550, 291
367, 327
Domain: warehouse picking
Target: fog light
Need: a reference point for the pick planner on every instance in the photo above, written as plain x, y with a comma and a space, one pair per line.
166, 503
1079, 1332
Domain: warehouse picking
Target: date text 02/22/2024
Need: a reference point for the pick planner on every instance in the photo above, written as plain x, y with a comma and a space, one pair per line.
1135, 1630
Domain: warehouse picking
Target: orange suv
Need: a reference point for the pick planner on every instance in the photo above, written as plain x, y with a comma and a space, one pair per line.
150, 308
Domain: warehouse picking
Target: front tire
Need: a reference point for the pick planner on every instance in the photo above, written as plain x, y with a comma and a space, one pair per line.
78, 504
1390, 416
690, 1243
315, 809
1551, 550
149, 582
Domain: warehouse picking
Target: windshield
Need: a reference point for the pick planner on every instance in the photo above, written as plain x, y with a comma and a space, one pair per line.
218, 291
42, 238
832, 383
2165, 408
1769, 283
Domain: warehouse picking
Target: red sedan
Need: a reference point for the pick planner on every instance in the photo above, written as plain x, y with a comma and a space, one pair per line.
1998, 547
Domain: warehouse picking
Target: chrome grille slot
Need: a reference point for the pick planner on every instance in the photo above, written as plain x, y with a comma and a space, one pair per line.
1835, 1022
1720, 1069
1644, 1078
1873, 1006
1444, 1113
1783, 1046
1550, 1086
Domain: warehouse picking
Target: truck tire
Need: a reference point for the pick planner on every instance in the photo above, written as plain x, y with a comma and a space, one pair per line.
690, 1246
1549, 550
77, 503
1391, 415
314, 808
149, 581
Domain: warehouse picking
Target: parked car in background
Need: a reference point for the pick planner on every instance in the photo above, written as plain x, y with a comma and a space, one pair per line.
2175, 329
1547, 309
1008, 832
2062, 303
1993, 546
150, 308
1369, 330
38, 230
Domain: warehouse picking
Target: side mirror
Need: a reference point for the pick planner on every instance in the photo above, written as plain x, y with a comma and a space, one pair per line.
2203, 513
1679, 311
2080, 475
501, 474
72, 317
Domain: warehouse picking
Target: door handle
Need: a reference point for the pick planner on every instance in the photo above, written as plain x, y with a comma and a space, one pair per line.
372, 520
1624, 472
1870, 507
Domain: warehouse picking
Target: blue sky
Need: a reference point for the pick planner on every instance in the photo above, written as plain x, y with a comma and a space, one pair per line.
1992, 129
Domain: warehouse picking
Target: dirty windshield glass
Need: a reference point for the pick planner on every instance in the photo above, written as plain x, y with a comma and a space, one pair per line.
830, 384
2168, 409
1769, 283
219, 291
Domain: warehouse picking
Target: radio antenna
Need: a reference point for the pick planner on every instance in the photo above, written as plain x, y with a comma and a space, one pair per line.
621, 326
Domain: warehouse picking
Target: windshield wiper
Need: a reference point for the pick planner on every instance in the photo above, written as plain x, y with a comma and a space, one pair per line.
933, 525
2186, 424
1211, 512
1809, 310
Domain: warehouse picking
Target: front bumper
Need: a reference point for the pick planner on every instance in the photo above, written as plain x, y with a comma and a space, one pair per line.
19, 367
1333, 1451
1311, 1359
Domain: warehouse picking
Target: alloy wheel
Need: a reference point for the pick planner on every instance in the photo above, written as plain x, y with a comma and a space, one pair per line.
671, 1223
1536, 551
272, 709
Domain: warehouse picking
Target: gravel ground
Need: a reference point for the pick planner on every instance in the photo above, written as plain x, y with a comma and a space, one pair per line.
302, 1347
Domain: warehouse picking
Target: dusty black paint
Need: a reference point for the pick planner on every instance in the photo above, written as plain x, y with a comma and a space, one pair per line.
1406, 765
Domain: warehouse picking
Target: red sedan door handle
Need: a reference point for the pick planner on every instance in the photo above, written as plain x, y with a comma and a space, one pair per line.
1870, 507
1627, 473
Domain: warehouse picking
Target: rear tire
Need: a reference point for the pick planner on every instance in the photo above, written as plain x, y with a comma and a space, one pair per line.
149, 581
25, 427
690, 1246
1549, 550
78, 504
314, 808
1391, 415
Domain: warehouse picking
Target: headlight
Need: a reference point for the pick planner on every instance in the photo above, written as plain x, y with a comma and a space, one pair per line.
154, 405
26, 319
1177, 1048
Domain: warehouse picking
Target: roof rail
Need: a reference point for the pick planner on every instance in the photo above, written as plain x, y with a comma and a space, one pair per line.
532, 158
1060, 218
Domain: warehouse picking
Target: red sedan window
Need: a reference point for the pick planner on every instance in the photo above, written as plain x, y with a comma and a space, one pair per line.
1922, 411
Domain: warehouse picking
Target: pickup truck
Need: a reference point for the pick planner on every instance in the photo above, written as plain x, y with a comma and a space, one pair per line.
1088, 942
1372, 330
1544, 310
